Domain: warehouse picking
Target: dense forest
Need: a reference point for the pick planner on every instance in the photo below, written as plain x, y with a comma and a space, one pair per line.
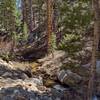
49, 50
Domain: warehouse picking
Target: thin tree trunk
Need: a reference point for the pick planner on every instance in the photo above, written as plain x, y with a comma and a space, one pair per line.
49, 24
96, 10
27, 12
55, 21
39, 17
33, 19
39, 12
31, 16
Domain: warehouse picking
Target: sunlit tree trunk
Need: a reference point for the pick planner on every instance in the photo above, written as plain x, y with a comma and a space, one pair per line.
49, 24
96, 9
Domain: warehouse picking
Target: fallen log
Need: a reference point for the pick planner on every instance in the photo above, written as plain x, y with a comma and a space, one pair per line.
36, 49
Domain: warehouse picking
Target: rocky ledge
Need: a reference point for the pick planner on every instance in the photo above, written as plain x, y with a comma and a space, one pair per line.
34, 81
15, 84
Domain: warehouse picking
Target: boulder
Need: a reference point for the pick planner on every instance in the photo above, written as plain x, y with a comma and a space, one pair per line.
27, 90
37, 81
28, 84
5, 64
52, 63
69, 78
60, 88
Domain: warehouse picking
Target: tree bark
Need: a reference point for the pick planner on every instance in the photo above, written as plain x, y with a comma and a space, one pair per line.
49, 24
28, 14
96, 9
55, 21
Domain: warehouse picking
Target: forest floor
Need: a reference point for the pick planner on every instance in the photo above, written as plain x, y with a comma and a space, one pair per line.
48, 78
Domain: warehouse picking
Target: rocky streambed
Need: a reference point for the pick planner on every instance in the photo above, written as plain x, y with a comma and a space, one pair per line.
26, 81
17, 84
42, 80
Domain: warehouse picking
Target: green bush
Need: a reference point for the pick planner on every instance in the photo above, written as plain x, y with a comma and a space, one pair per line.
71, 43
7, 56
75, 16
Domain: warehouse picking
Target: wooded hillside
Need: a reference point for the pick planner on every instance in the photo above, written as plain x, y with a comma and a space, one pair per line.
51, 47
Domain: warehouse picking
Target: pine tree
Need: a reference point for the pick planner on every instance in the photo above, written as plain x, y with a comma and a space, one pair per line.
8, 15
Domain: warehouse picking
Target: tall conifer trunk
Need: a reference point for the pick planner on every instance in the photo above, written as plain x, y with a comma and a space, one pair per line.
27, 14
30, 16
49, 23
96, 9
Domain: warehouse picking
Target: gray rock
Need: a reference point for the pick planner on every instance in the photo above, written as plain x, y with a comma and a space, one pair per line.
24, 76
7, 74
7, 98
46, 98
60, 88
69, 78
56, 93
52, 64
37, 81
